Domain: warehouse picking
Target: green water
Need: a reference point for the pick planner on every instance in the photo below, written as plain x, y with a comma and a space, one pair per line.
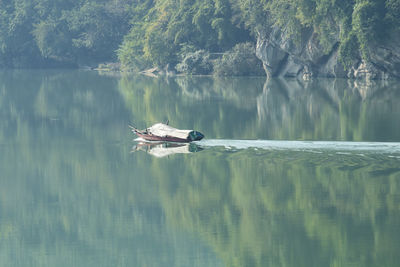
77, 190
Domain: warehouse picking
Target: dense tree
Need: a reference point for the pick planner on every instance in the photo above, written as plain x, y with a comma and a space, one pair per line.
144, 33
162, 31
217, 26
42, 32
131, 53
240, 60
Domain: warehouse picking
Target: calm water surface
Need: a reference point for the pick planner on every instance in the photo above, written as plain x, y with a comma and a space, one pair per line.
290, 173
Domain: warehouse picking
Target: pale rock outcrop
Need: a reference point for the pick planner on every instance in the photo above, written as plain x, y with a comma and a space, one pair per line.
282, 57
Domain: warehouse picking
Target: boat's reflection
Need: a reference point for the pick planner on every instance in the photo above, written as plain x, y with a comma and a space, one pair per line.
163, 149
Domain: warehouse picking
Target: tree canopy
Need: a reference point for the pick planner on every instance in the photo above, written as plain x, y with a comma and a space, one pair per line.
143, 33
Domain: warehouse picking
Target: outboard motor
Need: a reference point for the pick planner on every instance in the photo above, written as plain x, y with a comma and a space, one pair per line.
195, 136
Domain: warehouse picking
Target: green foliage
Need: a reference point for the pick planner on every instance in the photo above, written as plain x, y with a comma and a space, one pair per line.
144, 33
15, 30
368, 24
392, 15
239, 61
156, 48
162, 28
43, 32
195, 63
52, 41
97, 29
284, 14
348, 50
130, 52
252, 14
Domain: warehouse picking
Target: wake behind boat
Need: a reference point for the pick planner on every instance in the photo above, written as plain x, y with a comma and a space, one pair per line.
166, 133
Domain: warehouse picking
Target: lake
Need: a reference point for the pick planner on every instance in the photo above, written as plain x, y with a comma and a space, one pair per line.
289, 174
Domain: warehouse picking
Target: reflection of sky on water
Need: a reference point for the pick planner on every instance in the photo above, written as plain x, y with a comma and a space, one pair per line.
163, 149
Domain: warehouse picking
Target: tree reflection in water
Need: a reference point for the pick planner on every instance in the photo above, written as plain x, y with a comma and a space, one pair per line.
73, 195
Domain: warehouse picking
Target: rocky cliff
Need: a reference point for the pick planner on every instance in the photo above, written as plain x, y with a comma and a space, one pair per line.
282, 57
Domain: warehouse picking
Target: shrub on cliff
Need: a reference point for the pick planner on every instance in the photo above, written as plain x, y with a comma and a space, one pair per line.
241, 60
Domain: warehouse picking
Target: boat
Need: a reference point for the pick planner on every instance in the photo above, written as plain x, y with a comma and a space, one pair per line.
166, 133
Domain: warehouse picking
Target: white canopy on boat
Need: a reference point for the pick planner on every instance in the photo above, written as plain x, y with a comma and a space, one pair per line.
161, 129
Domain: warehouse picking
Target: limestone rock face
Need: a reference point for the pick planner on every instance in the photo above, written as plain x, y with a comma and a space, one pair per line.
271, 56
282, 57
368, 70
386, 57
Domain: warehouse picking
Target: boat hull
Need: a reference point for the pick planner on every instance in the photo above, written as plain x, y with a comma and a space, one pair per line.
174, 135
150, 137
